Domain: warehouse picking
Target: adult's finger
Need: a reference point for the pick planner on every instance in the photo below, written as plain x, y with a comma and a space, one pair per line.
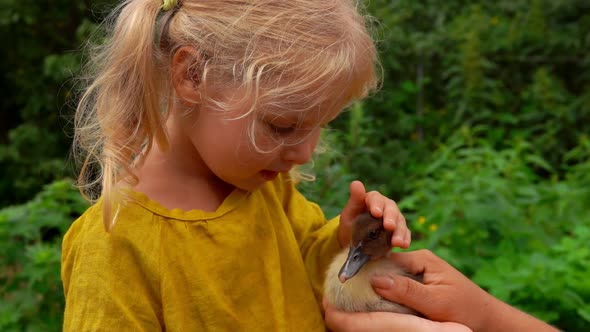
385, 321
369, 321
415, 262
404, 290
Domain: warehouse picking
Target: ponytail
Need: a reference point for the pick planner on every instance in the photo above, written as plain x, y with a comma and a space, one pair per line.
121, 110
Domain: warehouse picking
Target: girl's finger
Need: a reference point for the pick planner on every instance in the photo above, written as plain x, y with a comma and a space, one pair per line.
402, 234
390, 215
356, 202
407, 239
376, 203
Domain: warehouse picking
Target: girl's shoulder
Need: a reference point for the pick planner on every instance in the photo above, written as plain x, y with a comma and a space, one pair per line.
89, 225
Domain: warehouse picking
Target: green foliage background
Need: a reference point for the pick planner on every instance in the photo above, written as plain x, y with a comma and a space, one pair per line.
480, 132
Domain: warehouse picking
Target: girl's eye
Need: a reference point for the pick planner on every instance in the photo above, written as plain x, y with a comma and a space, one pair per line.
281, 130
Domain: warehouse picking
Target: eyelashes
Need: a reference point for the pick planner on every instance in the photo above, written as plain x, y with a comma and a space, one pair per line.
281, 130
289, 131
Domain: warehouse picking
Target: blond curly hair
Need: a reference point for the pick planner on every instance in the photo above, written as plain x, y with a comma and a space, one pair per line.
279, 51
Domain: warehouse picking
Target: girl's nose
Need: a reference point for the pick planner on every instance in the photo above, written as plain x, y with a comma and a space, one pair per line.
299, 153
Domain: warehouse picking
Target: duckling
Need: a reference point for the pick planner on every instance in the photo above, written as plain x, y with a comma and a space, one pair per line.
366, 258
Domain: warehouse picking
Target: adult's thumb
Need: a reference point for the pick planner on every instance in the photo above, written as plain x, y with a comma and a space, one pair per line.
403, 290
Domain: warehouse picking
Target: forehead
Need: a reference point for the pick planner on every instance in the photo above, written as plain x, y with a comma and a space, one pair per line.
240, 104
297, 101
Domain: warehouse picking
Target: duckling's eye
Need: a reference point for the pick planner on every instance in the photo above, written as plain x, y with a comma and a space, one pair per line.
374, 234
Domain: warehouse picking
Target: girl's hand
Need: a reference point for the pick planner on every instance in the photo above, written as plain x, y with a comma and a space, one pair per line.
384, 321
380, 207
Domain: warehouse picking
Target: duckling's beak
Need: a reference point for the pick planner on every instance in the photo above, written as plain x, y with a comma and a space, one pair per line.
356, 259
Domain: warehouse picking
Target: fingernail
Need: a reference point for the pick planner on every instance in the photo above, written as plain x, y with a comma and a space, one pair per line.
390, 223
382, 282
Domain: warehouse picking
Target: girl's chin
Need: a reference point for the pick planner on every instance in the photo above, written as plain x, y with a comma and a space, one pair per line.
268, 175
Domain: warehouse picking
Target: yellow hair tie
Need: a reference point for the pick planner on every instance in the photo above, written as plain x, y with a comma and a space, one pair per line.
169, 4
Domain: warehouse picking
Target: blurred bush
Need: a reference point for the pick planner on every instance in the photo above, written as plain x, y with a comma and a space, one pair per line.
517, 235
30, 234
37, 90
521, 68
487, 211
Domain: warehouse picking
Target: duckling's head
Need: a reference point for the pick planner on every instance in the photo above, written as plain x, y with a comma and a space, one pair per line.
369, 241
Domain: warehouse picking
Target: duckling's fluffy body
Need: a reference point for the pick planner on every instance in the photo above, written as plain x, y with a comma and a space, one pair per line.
357, 294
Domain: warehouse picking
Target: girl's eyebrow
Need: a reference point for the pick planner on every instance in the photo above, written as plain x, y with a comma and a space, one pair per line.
283, 115
275, 116
302, 119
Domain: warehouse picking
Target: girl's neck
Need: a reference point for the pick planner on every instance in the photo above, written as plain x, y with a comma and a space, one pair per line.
178, 178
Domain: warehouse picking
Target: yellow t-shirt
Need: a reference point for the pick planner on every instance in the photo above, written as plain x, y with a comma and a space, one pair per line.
255, 264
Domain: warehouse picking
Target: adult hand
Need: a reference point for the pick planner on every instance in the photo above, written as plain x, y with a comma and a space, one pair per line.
446, 295
339, 321
380, 207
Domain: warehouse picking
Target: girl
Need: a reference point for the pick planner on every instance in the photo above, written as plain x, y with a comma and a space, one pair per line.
196, 113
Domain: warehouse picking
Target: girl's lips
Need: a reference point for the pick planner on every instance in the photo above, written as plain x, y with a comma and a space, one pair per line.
268, 175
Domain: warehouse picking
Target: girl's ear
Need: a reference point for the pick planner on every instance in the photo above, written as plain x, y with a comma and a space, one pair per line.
186, 74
